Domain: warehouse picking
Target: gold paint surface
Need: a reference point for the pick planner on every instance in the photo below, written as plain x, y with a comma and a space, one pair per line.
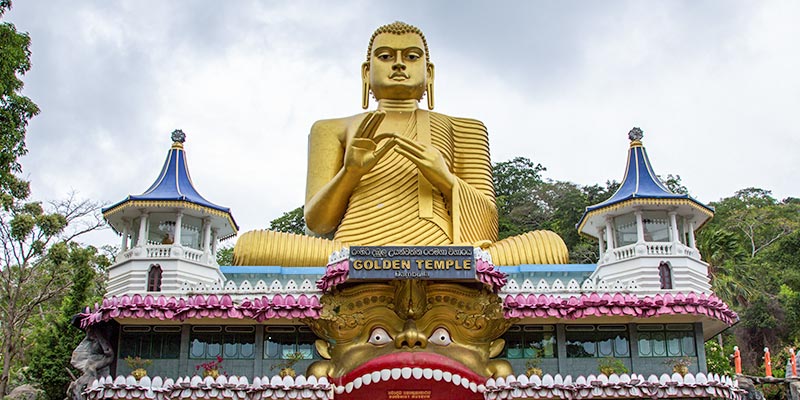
414, 316
398, 175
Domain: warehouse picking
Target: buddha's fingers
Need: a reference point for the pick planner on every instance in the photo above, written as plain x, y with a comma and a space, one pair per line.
411, 150
384, 149
408, 143
370, 124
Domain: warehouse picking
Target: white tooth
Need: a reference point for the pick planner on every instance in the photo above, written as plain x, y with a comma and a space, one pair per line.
405, 373
339, 389
376, 376
473, 387
416, 373
357, 383
465, 383
456, 379
349, 387
396, 373
367, 378
447, 376
427, 373
437, 374
481, 388
385, 374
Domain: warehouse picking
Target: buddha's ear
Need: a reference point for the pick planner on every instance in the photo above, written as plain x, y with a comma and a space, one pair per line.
429, 89
496, 347
323, 348
365, 85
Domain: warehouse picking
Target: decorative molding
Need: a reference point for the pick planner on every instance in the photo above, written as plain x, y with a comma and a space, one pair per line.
222, 387
181, 309
614, 386
617, 304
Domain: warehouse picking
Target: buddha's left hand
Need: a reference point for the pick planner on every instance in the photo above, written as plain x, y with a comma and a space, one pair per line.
429, 161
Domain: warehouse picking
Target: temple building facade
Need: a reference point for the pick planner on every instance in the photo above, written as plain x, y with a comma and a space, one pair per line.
631, 326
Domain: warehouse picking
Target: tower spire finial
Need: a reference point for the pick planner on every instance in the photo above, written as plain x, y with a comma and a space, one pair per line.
178, 136
635, 134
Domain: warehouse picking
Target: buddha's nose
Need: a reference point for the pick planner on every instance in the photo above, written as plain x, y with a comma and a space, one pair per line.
410, 337
399, 64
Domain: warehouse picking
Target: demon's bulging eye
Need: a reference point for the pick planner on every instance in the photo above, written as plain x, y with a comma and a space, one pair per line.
379, 336
441, 337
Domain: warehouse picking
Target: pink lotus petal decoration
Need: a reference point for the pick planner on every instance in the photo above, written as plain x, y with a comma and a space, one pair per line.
198, 306
617, 304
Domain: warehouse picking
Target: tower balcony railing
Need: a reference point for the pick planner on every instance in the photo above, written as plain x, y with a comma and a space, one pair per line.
651, 249
165, 251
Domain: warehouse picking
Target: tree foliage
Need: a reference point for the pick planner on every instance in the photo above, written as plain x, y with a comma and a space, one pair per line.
55, 337
290, 222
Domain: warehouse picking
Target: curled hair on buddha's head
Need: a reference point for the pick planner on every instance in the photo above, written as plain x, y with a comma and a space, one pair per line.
399, 28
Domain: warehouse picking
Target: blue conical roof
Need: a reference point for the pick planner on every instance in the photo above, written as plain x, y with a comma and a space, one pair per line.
641, 183
174, 184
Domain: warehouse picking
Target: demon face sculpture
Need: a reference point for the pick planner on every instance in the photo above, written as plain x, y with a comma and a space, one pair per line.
385, 337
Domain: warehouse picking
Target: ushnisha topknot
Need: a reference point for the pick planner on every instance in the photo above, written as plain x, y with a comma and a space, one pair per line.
399, 28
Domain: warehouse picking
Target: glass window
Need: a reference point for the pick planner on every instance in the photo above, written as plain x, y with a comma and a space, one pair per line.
531, 341
161, 342
656, 226
233, 342
585, 341
280, 342
671, 340
625, 229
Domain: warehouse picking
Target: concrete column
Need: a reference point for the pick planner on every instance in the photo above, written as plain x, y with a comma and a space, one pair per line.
214, 241
143, 230
206, 235
692, 243
183, 359
699, 342
633, 337
561, 346
601, 243
178, 227
258, 360
124, 245
673, 226
639, 227
609, 233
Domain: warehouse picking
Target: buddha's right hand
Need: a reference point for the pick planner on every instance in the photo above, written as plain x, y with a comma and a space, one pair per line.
362, 153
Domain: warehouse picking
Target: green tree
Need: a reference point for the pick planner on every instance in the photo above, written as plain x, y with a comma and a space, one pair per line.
290, 222
225, 255
55, 337
15, 109
757, 218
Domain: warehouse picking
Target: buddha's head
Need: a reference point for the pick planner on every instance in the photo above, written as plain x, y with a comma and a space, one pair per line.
398, 65
373, 328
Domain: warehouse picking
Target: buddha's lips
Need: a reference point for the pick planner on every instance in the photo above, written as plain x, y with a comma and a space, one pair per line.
431, 365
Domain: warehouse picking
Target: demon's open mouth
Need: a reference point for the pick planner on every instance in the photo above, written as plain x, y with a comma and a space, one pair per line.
407, 375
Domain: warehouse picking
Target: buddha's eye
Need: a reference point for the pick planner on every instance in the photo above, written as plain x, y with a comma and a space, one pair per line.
413, 56
384, 56
379, 336
441, 337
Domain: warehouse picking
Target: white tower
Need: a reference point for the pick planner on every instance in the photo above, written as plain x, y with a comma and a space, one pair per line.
169, 233
646, 232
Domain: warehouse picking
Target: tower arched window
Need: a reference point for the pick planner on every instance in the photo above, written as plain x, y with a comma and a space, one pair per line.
154, 278
665, 275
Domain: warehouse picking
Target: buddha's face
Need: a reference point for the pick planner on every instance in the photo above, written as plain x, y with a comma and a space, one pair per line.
397, 68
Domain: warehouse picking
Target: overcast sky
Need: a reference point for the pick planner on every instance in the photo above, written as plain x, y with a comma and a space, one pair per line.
715, 85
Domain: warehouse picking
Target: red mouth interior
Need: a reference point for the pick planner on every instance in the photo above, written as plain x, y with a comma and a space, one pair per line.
411, 388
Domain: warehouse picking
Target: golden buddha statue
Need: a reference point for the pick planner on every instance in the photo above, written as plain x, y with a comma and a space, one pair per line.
398, 175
